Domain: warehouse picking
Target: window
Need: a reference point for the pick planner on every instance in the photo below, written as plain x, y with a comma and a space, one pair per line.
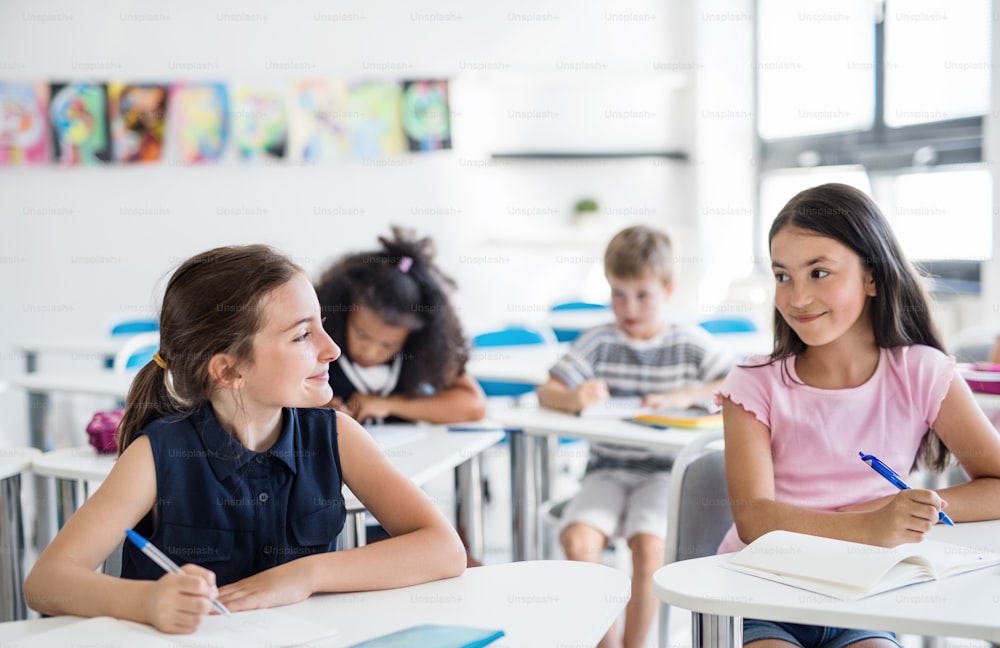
888, 96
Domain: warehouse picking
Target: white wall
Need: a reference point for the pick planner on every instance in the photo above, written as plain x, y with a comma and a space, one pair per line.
81, 245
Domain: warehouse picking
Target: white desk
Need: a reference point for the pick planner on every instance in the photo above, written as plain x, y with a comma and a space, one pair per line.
40, 386
99, 348
523, 363
420, 458
959, 606
541, 604
13, 463
534, 434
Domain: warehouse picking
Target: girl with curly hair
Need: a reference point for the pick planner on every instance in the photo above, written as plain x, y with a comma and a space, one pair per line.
404, 352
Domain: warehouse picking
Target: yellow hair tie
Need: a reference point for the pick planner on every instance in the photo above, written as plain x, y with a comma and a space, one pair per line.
158, 359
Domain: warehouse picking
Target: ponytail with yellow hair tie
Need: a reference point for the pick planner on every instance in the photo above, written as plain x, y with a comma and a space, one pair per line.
160, 362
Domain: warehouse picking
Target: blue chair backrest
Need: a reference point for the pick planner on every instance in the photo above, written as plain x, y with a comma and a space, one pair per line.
141, 357
728, 325
569, 334
510, 336
131, 327
579, 305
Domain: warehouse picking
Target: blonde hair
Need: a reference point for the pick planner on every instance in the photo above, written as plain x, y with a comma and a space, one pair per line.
639, 251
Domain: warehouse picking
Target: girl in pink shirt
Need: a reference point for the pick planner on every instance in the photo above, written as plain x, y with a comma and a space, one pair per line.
857, 366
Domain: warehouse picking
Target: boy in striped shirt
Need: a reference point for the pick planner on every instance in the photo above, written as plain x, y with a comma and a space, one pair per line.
624, 491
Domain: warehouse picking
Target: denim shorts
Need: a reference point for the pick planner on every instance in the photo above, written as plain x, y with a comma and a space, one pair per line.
809, 636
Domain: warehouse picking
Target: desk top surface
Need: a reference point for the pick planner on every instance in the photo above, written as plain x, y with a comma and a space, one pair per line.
540, 421
100, 382
958, 606
420, 457
536, 603
14, 461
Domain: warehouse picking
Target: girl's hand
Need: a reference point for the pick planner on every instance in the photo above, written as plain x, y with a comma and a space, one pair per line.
592, 392
680, 399
366, 406
270, 588
906, 517
179, 601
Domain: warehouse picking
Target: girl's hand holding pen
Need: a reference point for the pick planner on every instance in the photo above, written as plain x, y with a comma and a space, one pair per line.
179, 601
906, 517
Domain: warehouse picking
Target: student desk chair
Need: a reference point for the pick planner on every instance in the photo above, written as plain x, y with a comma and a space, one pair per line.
699, 514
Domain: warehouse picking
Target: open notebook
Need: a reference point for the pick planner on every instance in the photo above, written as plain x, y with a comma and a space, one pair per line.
850, 570
268, 627
703, 415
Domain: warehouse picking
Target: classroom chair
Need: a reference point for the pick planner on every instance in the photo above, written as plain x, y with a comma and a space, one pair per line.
592, 311
717, 325
699, 513
511, 336
135, 352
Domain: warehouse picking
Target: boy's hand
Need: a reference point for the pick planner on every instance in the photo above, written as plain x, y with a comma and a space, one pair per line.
179, 601
592, 392
366, 406
679, 399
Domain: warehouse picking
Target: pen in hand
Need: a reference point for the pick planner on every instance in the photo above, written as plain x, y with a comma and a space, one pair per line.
167, 565
881, 468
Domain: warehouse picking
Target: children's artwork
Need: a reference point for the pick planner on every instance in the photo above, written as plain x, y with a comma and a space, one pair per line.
260, 123
24, 132
138, 119
199, 121
318, 121
79, 118
425, 115
375, 120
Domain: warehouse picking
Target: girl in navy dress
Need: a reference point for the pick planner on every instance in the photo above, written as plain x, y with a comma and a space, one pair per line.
231, 464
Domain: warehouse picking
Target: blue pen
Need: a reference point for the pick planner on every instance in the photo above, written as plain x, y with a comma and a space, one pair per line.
161, 559
879, 466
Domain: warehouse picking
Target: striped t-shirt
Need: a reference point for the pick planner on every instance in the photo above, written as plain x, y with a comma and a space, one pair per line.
680, 356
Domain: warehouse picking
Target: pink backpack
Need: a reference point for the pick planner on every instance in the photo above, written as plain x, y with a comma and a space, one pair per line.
101, 430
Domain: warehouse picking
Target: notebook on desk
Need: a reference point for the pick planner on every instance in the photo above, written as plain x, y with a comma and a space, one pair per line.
390, 435
850, 570
700, 416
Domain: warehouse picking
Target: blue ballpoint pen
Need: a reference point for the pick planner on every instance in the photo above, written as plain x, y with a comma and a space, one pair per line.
881, 468
161, 559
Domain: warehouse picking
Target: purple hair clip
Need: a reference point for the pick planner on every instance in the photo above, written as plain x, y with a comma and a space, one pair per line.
405, 263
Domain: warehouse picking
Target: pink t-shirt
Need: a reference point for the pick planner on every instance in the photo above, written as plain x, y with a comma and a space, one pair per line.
816, 434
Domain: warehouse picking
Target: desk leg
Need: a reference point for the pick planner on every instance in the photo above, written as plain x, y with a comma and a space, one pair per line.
45, 496
12, 606
524, 486
714, 631
354, 533
548, 448
68, 491
469, 505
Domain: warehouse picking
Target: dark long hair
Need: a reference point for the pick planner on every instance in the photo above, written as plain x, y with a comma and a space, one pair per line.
403, 287
211, 305
899, 310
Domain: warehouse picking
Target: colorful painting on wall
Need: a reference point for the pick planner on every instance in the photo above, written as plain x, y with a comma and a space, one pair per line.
138, 121
78, 114
375, 125
24, 128
318, 121
260, 123
199, 121
426, 119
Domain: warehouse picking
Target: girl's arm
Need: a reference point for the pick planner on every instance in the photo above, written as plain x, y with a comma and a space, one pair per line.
462, 401
64, 580
423, 546
975, 443
750, 481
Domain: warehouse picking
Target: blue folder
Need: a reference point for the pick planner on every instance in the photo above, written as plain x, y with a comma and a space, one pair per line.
434, 636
